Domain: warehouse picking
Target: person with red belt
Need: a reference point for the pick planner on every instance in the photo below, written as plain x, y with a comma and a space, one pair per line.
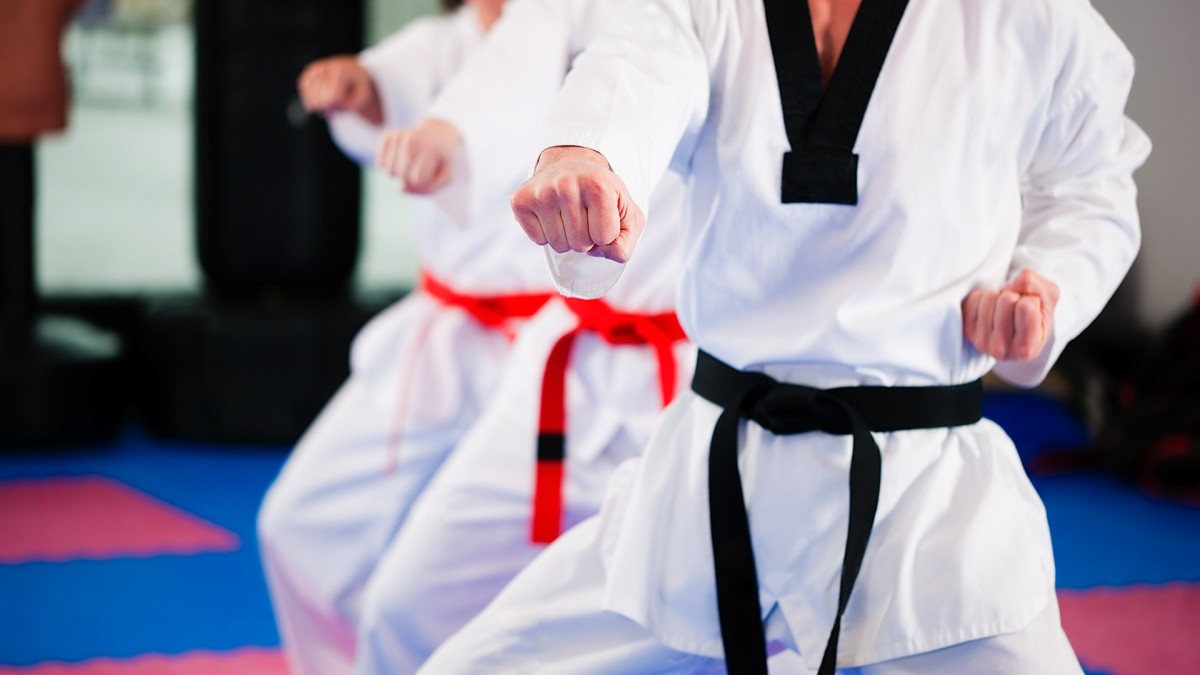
586, 379
421, 371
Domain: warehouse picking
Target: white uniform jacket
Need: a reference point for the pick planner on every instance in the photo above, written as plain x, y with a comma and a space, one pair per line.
485, 255
410, 68
995, 140
499, 123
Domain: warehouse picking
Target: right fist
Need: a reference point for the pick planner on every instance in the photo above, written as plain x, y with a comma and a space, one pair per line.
575, 202
421, 158
339, 84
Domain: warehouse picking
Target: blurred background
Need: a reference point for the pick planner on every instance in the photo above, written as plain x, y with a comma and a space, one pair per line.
128, 229
116, 208
202, 257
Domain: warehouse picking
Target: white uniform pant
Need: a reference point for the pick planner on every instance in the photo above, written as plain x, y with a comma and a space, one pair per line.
549, 620
468, 534
332, 513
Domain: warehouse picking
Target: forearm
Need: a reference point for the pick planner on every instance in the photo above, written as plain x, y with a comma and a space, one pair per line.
402, 83
498, 100
634, 92
1080, 227
1083, 237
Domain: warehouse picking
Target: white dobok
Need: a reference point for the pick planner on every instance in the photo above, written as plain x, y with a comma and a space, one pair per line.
995, 141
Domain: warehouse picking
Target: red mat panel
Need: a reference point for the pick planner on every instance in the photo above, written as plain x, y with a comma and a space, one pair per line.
245, 661
1135, 630
68, 518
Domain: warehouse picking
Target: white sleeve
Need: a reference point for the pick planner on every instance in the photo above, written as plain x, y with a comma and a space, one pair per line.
402, 71
631, 96
1080, 226
633, 93
498, 101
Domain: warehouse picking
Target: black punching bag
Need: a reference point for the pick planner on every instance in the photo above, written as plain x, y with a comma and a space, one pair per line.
277, 228
277, 206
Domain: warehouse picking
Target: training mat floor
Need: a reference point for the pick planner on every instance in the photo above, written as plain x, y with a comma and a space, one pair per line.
139, 557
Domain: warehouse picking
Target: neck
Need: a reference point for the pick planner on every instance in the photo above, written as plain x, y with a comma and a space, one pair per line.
831, 21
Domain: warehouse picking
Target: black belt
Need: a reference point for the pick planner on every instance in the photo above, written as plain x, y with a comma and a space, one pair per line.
787, 409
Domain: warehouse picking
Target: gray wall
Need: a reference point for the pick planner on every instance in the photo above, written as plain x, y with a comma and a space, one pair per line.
386, 16
1162, 34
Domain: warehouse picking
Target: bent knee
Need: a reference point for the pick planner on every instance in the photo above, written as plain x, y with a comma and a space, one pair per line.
392, 601
284, 525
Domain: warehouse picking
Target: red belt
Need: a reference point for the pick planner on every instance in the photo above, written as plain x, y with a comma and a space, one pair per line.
498, 312
493, 311
659, 331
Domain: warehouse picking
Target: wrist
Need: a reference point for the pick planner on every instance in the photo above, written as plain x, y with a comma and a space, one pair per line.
439, 131
372, 109
570, 153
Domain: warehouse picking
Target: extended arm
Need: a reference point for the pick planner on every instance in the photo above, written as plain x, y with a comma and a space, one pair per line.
1080, 230
340, 84
476, 136
384, 86
611, 135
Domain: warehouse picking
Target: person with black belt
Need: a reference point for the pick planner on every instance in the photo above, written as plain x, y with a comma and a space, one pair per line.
889, 199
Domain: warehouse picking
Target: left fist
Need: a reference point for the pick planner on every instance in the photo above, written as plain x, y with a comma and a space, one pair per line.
1014, 322
421, 158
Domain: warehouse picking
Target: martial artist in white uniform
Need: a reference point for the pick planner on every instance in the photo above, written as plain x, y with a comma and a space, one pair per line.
421, 372
991, 213
475, 526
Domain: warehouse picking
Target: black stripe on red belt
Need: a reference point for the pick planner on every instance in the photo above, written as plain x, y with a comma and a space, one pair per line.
786, 409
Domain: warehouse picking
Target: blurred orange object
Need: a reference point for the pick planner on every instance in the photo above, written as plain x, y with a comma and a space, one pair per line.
33, 78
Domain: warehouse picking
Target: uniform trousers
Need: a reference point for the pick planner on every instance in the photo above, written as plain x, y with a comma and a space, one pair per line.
420, 375
550, 619
469, 532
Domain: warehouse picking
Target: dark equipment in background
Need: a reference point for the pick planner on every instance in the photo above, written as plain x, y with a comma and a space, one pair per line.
248, 372
277, 228
277, 206
63, 381
1152, 434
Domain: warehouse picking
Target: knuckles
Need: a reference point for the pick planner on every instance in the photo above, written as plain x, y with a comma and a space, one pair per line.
565, 185
521, 201
540, 194
593, 188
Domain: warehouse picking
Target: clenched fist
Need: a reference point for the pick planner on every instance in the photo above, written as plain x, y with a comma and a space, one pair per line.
1014, 322
575, 202
340, 84
421, 158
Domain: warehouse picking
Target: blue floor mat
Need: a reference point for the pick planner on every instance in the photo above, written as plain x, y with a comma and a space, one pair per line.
1105, 533
169, 604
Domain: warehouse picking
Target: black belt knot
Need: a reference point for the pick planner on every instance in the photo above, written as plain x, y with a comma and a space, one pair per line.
786, 409
789, 409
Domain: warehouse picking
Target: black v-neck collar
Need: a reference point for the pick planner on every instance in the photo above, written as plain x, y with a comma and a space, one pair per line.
823, 122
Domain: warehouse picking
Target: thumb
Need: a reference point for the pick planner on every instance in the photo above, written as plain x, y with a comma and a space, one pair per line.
1028, 282
632, 224
356, 92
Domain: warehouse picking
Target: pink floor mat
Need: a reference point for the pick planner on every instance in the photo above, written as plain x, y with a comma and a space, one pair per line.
68, 518
1135, 630
245, 661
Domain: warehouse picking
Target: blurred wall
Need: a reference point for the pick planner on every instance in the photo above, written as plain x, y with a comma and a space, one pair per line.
1166, 103
114, 217
386, 16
